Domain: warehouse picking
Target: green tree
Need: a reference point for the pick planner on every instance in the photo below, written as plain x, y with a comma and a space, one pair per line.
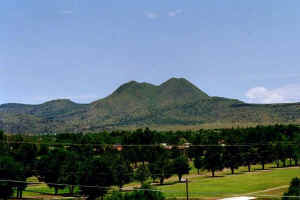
296, 150
213, 160
232, 158
181, 166
3, 145
142, 173
69, 170
197, 151
265, 154
10, 170
43, 150
96, 172
1, 135
26, 154
198, 163
294, 189
161, 167
146, 193
49, 168
249, 156
122, 172
280, 154
213, 153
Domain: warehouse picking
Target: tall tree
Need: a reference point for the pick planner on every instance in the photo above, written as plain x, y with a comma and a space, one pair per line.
49, 168
142, 173
249, 156
1, 135
96, 177
69, 170
181, 166
161, 167
10, 170
198, 163
232, 158
213, 153
3, 145
265, 154
213, 160
280, 153
26, 154
122, 171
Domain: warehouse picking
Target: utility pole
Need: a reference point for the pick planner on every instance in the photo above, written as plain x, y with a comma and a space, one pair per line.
187, 188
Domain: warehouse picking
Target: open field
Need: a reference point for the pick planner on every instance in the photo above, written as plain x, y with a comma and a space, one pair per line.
42, 191
271, 181
242, 183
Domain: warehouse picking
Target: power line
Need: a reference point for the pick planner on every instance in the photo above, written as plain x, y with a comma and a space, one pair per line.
183, 146
71, 185
54, 184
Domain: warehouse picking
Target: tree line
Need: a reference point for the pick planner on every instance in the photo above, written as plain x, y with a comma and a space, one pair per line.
90, 164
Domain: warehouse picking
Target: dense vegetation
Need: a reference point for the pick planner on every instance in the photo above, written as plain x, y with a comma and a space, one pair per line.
175, 102
294, 189
136, 195
90, 164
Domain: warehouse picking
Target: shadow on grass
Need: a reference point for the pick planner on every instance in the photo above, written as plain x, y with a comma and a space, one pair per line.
266, 169
67, 194
171, 183
235, 173
281, 167
246, 171
216, 176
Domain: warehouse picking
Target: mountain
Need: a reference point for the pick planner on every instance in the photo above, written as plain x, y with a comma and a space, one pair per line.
176, 102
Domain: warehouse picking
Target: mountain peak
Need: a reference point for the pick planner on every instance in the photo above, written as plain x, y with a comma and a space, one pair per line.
133, 86
175, 82
181, 86
60, 101
174, 88
175, 79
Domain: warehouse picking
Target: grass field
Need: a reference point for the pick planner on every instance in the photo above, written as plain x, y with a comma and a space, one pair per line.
242, 183
41, 190
259, 182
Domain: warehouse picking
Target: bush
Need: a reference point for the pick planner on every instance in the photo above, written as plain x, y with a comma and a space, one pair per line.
144, 194
136, 195
294, 189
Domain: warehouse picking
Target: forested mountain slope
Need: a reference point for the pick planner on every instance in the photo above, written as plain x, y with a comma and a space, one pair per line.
175, 102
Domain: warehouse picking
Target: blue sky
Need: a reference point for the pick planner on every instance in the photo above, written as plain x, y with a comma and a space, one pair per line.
85, 49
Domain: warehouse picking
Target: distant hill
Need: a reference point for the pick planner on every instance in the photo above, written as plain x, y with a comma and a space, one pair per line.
176, 102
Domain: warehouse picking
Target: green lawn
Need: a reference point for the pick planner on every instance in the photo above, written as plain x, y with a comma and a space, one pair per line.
230, 185
204, 186
40, 189
43, 189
